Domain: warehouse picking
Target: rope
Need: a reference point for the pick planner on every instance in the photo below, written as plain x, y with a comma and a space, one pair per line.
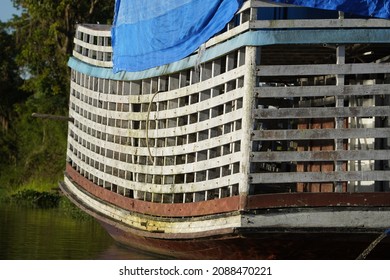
201, 51
373, 244
151, 158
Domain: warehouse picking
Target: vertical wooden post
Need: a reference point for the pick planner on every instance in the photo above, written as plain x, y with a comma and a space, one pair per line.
339, 122
247, 121
251, 59
386, 123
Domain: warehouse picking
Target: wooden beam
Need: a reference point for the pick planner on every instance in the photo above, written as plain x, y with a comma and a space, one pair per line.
323, 112
316, 134
323, 69
309, 177
341, 155
322, 23
320, 91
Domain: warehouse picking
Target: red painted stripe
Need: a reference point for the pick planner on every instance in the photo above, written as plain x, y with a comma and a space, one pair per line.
200, 208
318, 200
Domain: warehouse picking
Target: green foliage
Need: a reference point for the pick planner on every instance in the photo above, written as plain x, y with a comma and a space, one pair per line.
10, 94
34, 77
37, 199
45, 32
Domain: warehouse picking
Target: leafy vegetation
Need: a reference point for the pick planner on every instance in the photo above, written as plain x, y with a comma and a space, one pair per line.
34, 77
34, 198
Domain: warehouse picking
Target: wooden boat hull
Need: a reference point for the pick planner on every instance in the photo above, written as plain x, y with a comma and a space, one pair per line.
264, 245
271, 143
260, 239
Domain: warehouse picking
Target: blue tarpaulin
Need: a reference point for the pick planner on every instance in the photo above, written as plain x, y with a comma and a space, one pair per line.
368, 8
150, 33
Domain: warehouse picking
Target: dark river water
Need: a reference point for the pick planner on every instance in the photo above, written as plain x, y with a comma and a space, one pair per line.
47, 234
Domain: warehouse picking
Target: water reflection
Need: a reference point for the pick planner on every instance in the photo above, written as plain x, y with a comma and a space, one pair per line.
117, 252
48, 234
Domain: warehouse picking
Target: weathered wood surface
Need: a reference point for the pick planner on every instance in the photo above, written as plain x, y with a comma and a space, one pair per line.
315, 134
201, 124
137, 214
315, 23
327, 112
323, 69
320, 91
294, 177
341, 155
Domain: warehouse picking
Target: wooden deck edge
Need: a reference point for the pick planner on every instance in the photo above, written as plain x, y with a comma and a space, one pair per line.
137, 232
283, 200
201, 208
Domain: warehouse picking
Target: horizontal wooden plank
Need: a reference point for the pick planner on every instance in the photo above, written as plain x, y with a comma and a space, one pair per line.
316, 134
319, 23
169, 95
323, 112
99, 30
159, 209
228, 34
304, 199
341, 155
176, 150
310, 177
91, 46
99, 63
320, 91
157, 188
322, 69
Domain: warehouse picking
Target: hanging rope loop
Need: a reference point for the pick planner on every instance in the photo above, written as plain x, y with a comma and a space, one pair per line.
151, 158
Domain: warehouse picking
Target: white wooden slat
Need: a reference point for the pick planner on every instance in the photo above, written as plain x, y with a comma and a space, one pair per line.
156, 188
153, 133
340, 155
92, 46
228, 34
193, 108
322, 23
168, 95
100, 30
323, 112
161, 170
320, 91
164, 114
323, 69
162, 151
316, 134
101, 96
100, 63
339, 102
310, 177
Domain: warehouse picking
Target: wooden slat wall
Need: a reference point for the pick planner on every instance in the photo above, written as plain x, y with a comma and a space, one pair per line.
325, 129
166, 139
196, 122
